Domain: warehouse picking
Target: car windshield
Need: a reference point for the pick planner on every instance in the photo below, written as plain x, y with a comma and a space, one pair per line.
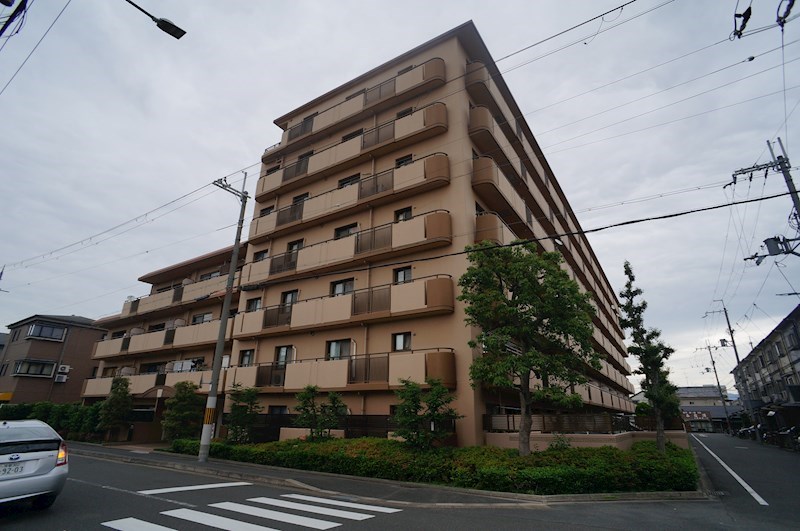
10, 433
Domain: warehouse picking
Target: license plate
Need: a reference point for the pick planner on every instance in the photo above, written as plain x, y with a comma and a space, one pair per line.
11, 469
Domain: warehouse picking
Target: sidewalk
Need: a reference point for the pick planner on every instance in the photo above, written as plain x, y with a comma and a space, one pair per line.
416, 494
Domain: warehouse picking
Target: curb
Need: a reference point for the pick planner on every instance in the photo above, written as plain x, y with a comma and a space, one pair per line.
512, 499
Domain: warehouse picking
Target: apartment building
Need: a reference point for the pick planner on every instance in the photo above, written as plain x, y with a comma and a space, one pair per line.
47, 358
350, 272
767, 378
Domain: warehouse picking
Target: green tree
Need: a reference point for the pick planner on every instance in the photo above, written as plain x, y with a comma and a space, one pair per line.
117, 406
183, 416
244, 412
652, 353
534, 322
424, 418
319, 418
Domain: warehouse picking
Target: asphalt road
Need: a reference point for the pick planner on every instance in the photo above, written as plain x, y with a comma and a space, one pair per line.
108, 494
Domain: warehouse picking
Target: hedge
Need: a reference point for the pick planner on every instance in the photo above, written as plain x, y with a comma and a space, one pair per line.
553, 471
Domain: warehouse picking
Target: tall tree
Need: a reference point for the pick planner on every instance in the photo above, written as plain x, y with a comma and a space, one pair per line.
651, 352
183, 416
117, 406
244, 412
424, 418
535, 326
319, 418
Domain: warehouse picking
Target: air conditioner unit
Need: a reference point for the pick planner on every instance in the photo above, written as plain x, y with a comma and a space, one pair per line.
61, 378
64, 368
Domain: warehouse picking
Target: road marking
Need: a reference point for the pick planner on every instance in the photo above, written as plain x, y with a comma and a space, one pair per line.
134, 524
126, 491
742, 482
305, 521
195, 487
212, 520
741, 447
375, 508
313, 509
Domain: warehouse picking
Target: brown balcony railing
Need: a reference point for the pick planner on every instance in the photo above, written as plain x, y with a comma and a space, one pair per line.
283, 262
369, 368
271, 375
376, 136
379, 92
372, 300
294, 170
289, 214
376, 184
373, 239
278, 315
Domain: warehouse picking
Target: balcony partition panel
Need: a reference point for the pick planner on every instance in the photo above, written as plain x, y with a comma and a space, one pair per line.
376, 184
149, 341
369, 369
372, 300
327, 252
325, 374
271, 375
322, 310
154, 302
109, 347
374, 239
278, 316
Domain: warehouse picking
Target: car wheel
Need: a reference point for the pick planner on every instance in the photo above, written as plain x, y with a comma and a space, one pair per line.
44, 501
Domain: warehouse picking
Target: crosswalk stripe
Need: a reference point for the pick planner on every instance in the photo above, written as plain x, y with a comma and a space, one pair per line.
134, 524
312, 509
212, 520
375, 508
195, 487
305, 521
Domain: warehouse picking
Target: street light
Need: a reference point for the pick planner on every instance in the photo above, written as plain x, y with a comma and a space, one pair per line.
216, 366
164, 25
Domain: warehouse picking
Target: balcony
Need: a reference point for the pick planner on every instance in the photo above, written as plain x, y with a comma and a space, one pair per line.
184, 337
423, 174
421, 78
424, 231
501, 197
141, 383
430, 295
422, 123
179, 296
489, 226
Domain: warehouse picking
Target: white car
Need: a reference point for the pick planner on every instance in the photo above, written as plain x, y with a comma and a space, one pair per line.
33, 462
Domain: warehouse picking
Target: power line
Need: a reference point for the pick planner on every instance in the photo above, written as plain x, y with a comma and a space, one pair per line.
35, 47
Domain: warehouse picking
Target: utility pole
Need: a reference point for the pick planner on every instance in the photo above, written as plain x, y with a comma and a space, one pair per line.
211, 403
719, 388
776, 245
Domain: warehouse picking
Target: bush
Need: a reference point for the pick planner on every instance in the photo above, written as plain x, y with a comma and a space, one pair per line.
553, 471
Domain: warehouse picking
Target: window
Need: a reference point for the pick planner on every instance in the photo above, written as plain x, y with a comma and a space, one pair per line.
403, 214
405, 112
341, 287
208, 276
289, 297
253, 305
3, 369
352, 135
15, 335
347, 181
296, 200
524, 169
156, 327
273, 169
259, 256
278, 410
402, 71
343, 232
401, 341
294, 246
284, 354
118, 334
337, 349
34, 368
266, 211
246, 357
402, 275
46, 331
202, 318
402, 161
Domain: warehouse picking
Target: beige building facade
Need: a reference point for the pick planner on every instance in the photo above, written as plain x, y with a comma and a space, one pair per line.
350, 274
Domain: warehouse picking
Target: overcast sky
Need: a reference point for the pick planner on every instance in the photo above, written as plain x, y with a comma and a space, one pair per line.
110, 119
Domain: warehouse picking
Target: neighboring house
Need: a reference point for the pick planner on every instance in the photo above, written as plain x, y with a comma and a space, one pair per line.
704, 408
417, 158
767, 378
48, 358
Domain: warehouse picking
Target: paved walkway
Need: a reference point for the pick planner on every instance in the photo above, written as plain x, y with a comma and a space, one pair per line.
417, 494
